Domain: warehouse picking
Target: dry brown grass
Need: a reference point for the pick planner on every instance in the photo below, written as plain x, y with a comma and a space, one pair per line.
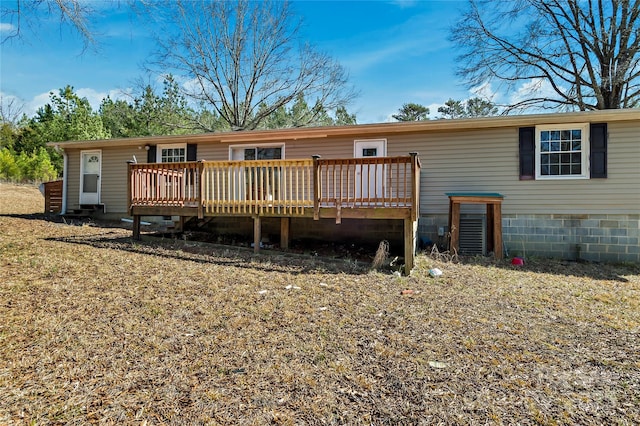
96, 328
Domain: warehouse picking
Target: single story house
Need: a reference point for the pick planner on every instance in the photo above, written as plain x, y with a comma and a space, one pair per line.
568, 183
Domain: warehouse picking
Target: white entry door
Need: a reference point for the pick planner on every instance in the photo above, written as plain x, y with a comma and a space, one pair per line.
370, 178
90, 168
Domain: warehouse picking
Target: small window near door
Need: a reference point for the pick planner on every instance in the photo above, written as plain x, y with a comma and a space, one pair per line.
370, 152
172, 153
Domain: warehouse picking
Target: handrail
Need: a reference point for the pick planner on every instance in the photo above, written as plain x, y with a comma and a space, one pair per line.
165, 184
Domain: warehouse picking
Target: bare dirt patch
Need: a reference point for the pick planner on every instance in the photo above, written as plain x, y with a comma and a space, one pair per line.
97, 328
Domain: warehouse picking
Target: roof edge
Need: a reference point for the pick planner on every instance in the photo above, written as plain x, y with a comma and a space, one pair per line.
378, 129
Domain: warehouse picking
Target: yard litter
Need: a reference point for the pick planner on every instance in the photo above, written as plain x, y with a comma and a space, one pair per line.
263, 292
438, 364
517, 261
292, 287
435, 272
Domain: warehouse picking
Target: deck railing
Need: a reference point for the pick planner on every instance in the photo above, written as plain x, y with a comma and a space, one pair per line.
165, 184
257, 187
284, 187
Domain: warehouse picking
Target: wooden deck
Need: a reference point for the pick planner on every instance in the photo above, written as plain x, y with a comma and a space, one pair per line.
359, 188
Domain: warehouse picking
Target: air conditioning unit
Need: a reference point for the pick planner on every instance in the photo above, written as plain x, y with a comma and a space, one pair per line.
472, 234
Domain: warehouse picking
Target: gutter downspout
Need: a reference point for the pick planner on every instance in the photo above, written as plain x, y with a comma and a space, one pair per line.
65, 164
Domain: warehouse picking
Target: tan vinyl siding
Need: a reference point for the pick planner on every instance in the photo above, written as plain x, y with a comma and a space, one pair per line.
487, 161
481, 160
114, 176
212, 152
73, 179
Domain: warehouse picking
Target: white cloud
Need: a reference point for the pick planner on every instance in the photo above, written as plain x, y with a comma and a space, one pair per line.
536, 87
7, 28
94, 97
484, 91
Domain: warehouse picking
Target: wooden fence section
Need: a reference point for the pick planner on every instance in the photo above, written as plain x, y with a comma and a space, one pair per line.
53, 196
278, 187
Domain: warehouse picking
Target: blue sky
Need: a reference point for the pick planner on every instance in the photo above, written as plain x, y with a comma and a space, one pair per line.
395, 52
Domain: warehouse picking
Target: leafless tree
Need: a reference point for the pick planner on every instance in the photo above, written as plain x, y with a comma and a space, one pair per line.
18, 14
584, 53
244, 59
11, 110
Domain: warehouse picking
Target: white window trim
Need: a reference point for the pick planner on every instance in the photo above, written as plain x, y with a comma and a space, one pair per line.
81, 183
584, 154
260, 145
159, 149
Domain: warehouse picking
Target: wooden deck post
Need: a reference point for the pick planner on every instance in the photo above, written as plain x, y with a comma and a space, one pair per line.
409, 244
257, 233
316, 188
136, 226
285, 228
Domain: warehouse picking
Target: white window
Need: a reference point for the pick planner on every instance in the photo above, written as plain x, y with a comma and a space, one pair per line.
562, 151
176, 153
259, 152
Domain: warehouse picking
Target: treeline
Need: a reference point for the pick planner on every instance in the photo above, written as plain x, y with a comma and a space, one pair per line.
25, 156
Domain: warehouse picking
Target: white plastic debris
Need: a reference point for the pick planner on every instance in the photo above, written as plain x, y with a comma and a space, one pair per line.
292, 287
438, 364
435, 272
262, 292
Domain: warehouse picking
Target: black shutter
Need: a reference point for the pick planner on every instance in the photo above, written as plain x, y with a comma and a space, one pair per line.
151, 154
527, 151
192, 150
598, 150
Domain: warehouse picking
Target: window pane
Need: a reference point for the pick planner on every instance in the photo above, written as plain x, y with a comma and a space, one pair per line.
544, 170
555, 146
565, 169
250, 154
576, 134
544, 147
544, 136
555, 135
269, 153
565, 158
576, 146
370, 152
565, 135
576, 169
565, 146
544, 159
554, 170
555, 158
576, 158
